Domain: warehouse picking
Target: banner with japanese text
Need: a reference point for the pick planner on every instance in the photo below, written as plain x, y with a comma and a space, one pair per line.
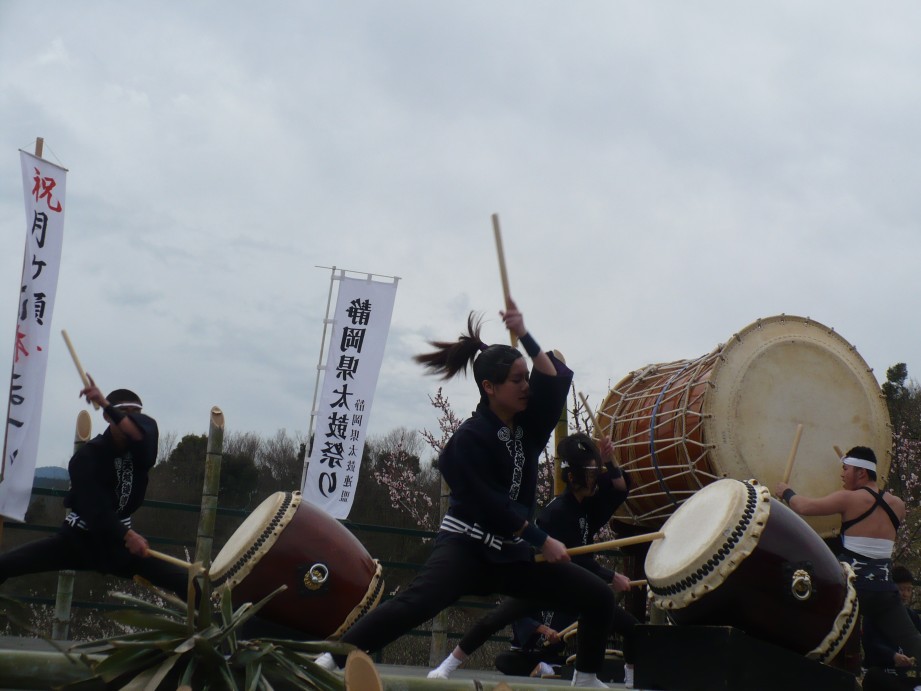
360, 325
44, 186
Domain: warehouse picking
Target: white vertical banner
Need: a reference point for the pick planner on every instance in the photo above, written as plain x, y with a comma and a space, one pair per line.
44, 186
360, 326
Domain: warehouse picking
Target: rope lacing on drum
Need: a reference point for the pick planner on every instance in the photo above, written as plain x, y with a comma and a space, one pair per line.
652, 433
245, 558
724, 551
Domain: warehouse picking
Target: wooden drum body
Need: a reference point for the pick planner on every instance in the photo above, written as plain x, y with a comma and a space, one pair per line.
331, 579
733, 556
733, 413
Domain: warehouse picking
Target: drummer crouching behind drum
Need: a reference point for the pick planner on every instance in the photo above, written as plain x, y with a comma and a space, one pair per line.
490, 464
869, 521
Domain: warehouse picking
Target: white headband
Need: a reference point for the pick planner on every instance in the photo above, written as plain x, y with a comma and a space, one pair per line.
136, 406
859, 463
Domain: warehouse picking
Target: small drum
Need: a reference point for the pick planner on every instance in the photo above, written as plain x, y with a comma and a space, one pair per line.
331, 579
733, 413
733, 556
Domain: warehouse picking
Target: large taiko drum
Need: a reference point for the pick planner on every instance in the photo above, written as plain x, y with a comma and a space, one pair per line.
331, 579
733, 556
733, 413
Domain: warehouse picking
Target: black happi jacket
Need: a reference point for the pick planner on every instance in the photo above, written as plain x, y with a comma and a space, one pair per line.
108, 485
575, 523
492, 469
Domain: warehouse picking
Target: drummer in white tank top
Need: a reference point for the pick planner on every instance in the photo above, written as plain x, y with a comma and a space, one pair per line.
869, 522
874, 535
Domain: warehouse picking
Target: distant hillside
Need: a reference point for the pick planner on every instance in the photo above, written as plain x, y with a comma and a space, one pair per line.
51, 477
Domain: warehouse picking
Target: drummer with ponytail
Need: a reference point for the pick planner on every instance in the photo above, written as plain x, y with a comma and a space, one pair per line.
487, 539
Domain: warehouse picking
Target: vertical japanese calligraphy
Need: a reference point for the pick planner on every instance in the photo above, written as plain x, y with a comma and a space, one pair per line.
44, 187
361, 323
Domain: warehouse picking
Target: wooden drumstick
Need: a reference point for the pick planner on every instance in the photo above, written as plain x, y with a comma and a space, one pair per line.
502, 271
563, 635
789, 470
569, 629
197, 567
838, 452
610, 544
588, 409
73, 354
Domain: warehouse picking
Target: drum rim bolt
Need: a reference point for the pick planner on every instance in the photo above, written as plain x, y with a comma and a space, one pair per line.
801, 587
316, 576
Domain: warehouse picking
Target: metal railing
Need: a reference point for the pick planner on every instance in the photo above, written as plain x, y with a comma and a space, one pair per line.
64, 602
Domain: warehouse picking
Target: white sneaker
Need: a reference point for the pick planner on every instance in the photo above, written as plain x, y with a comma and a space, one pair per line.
545, 670
327, 662
587, 680
628, 676
438, 673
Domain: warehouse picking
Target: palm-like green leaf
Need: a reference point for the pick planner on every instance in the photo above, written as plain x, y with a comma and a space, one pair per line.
150, 678
126, 662
169, 649
154, 622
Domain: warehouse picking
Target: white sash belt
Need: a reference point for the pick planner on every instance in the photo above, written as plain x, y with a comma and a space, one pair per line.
475, 531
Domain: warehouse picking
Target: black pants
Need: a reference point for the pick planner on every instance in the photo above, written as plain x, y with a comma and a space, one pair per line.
73, 548
877, 679
888, 614
513, 608
461, 567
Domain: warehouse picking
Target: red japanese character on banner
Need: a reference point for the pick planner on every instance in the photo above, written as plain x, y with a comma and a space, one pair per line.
20, 345
42, 190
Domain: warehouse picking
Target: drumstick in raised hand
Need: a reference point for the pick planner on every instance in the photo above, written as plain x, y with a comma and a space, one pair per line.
503, 274
839, 454
73, 355
595, 421
789, 470
610, 544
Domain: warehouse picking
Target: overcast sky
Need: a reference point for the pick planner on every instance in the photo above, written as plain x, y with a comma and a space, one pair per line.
665, 174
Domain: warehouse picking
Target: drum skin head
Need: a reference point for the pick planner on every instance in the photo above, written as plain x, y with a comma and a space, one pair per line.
255, 524
696, 531
780, 372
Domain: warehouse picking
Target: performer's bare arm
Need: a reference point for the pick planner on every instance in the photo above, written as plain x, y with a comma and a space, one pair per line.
829, 505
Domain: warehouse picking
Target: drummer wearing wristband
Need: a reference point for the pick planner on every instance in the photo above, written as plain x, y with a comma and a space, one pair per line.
108, 481
870, 518
484, 544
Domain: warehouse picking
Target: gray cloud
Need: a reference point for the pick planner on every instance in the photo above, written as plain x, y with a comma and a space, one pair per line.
665, 175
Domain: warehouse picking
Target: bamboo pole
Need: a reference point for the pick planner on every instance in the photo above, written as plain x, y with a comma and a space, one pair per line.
63, 599
610, 544
45, 669
210, 488
789, 469
503, 272
438, 647
360, 673
208, 516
